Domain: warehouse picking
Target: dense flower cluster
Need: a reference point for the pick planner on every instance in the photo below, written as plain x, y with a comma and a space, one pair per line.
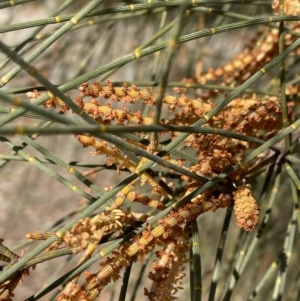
245, 208
202, 155
249, 115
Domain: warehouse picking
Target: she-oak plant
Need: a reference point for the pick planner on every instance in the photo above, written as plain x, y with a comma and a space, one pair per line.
201, 157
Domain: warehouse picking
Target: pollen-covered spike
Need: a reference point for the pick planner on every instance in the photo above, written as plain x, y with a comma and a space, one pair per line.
245, 208
39, 235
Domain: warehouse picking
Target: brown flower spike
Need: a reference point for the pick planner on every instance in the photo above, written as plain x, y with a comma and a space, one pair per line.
245, 208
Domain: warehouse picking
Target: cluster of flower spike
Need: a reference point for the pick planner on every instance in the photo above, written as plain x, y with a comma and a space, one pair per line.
260, 50
170, 232
91, 230
249, 115
167, 270
291, 7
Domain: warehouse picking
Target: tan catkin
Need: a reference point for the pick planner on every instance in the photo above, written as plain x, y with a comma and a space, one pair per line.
245, 208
